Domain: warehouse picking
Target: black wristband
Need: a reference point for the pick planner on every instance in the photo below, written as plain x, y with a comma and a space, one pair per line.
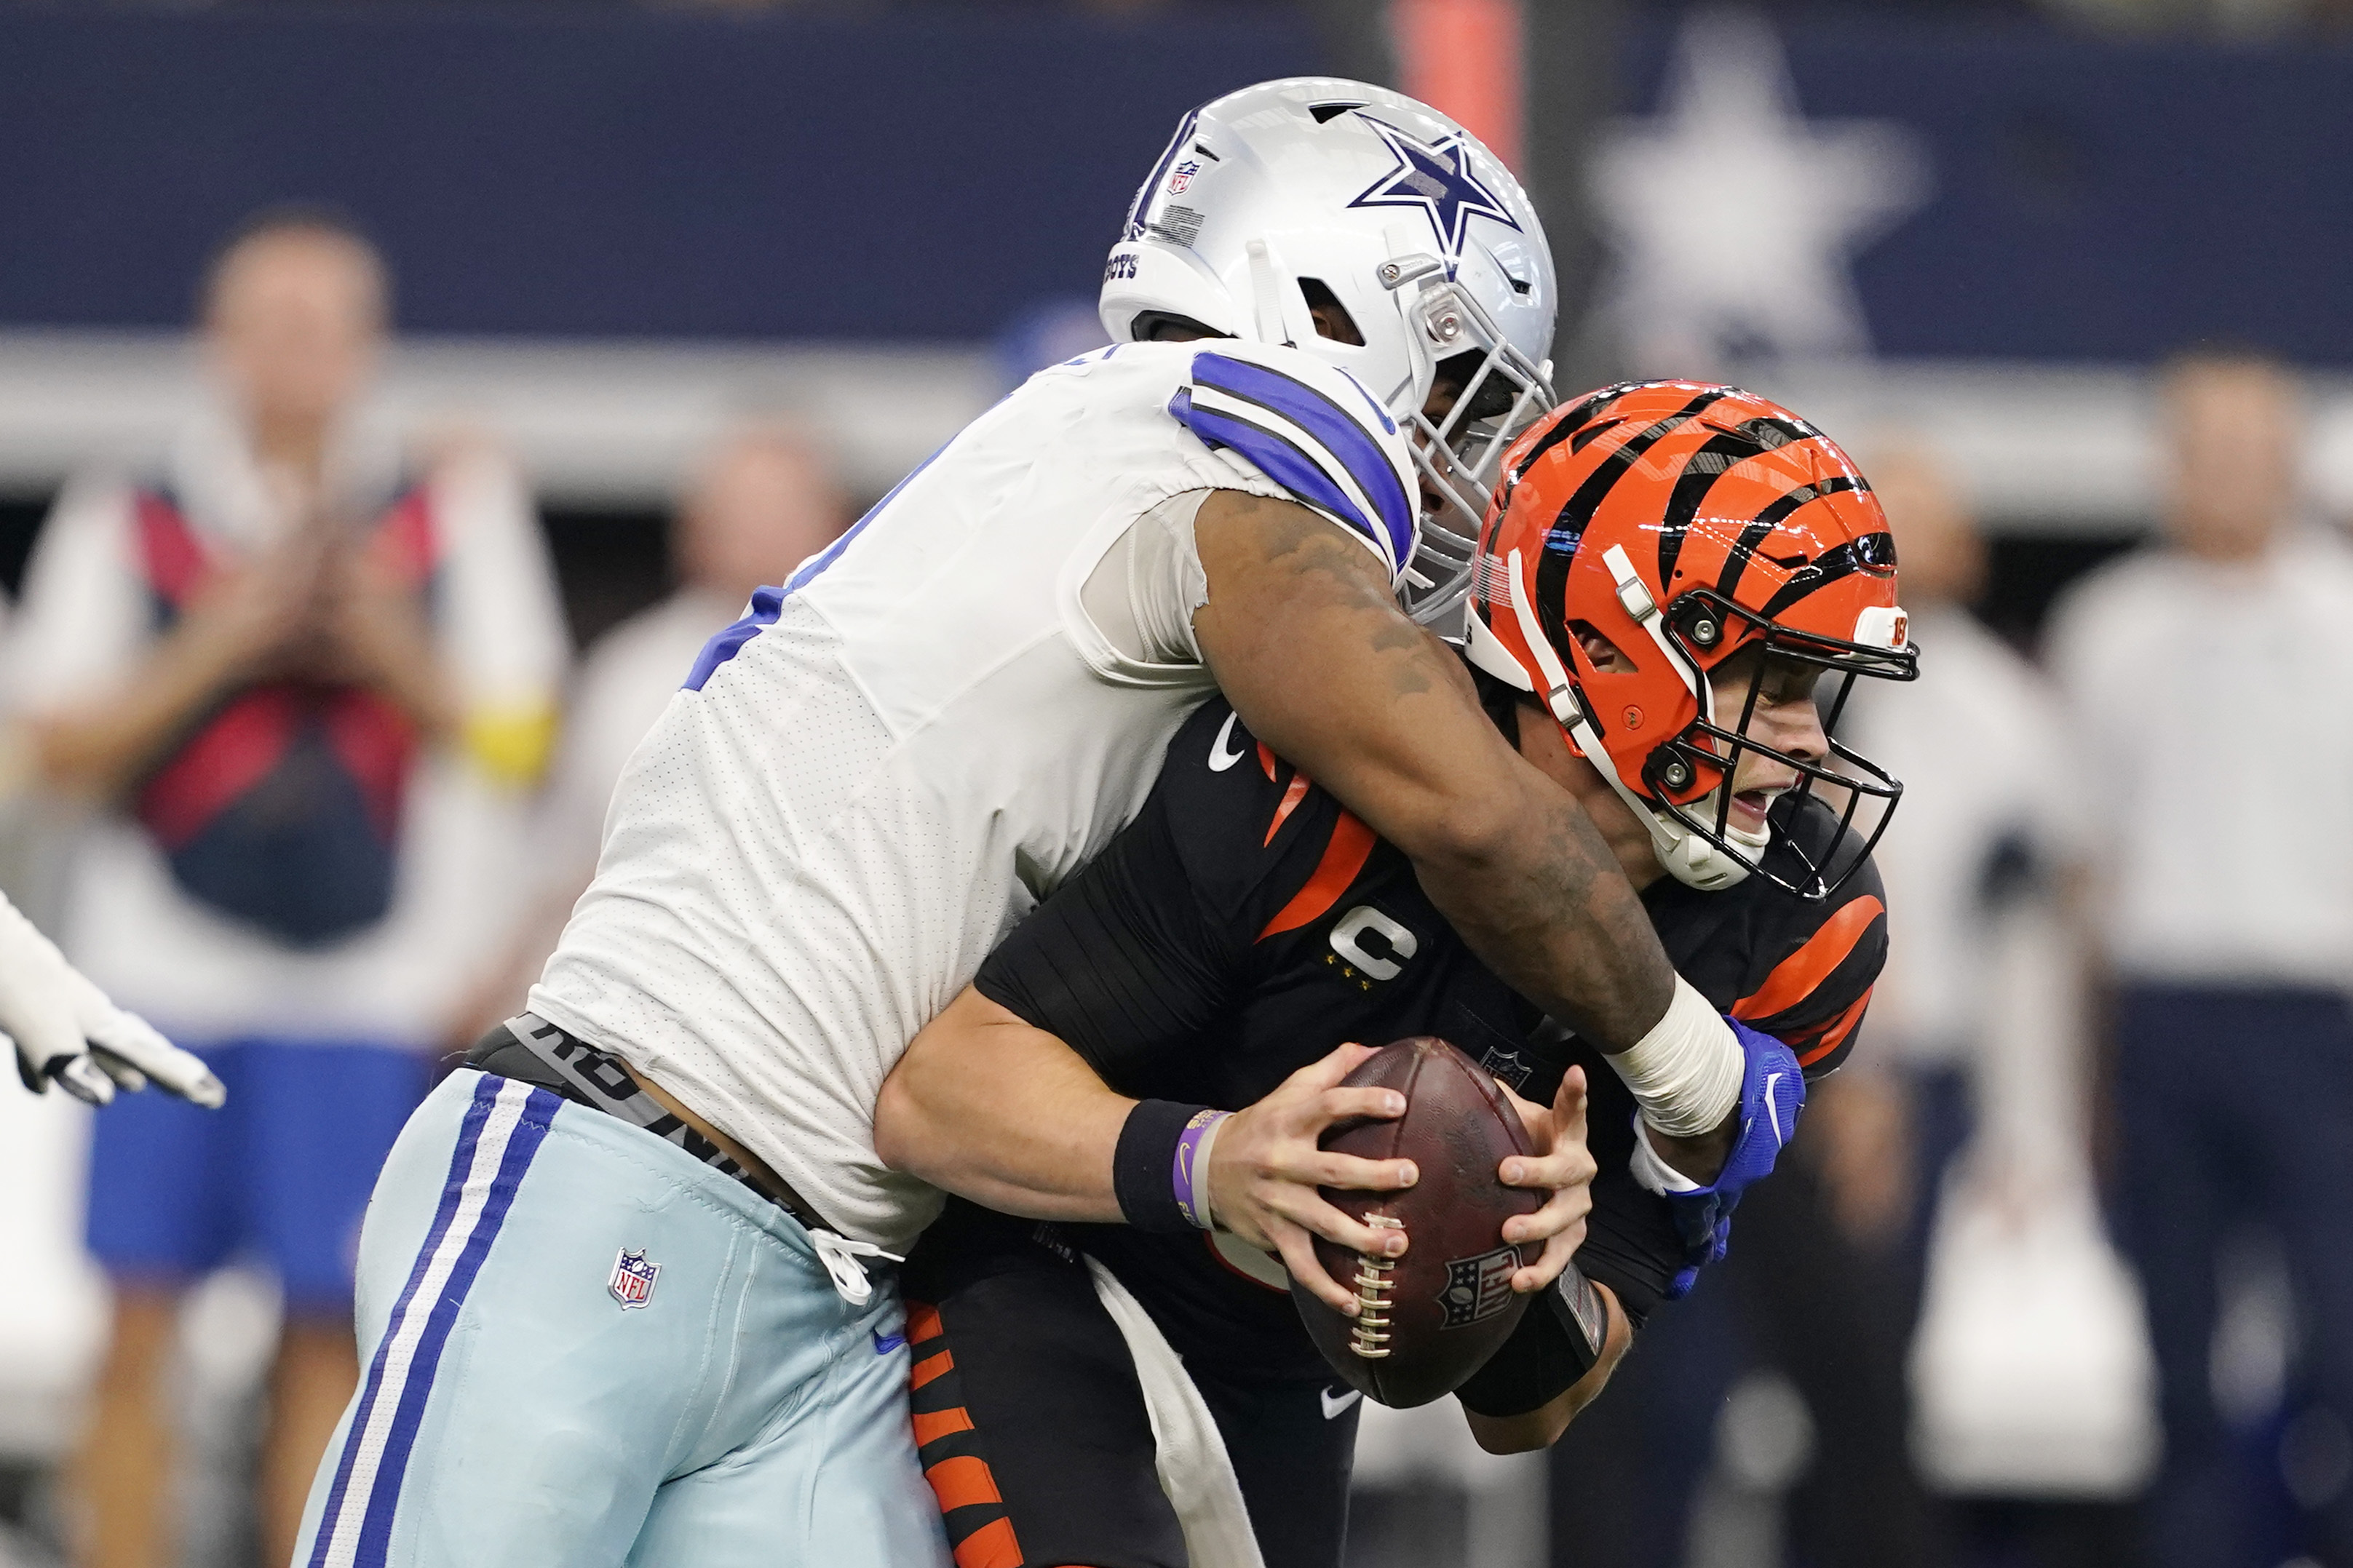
1140, 1168
1557, 1342
1583, 1317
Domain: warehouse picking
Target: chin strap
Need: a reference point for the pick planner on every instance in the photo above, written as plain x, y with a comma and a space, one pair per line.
1689, 858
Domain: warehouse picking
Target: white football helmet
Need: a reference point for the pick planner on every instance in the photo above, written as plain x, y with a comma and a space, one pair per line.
1317, 190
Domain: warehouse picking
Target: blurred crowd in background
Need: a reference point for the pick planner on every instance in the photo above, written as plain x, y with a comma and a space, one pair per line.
322, 659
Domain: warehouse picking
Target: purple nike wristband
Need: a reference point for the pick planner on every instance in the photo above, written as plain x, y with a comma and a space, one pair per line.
1188, 1174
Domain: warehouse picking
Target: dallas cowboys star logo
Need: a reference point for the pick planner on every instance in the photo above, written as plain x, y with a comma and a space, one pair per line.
1438, 180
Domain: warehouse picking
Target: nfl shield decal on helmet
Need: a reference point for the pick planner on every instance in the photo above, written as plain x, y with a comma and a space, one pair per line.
1181, 176
632, 1283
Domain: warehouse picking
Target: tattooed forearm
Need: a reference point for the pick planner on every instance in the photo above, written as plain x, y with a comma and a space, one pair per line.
1303, 633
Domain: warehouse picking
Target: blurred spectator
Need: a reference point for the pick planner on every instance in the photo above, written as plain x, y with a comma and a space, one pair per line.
2207, 680
1965, 1124
1824, 1280
1770, 1405
305, 678
1985, 818
764, 500
1797, 1326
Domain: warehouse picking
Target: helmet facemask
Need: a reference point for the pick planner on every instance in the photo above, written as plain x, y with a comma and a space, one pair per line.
1688, 778
1461, 454
1754, 532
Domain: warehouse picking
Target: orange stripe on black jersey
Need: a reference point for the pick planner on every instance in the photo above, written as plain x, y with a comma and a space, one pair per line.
1290, 799
992, 1545
935, 1423
962, 1480
936, 1365
1344, 857
1266, 760
1796, 977
1835, 1033
948, 1446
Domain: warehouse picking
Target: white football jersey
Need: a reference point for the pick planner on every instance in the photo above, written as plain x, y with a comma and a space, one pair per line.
891, 759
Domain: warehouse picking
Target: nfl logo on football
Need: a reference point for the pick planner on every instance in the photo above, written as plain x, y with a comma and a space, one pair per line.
1182, 176
632, 1283
1478, 1287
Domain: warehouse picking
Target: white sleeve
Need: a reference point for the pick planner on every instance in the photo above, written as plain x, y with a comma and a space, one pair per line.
1142, 594
1314, 431
2079, 650
501, 623
2050, 772
84, 616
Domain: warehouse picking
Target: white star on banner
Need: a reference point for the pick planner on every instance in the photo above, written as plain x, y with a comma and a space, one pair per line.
1734, 218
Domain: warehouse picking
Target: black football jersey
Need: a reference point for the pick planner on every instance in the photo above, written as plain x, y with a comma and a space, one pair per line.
1246, 924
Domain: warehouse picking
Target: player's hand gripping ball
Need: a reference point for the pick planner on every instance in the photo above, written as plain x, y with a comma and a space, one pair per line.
1426, 1320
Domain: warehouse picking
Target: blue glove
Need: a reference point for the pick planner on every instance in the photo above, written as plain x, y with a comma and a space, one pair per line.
1772, 1093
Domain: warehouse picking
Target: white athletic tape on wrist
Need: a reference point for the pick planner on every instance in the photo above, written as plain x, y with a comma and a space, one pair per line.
1685, 1073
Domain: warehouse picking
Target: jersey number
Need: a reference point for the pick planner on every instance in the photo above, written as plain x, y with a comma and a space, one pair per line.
1347, 941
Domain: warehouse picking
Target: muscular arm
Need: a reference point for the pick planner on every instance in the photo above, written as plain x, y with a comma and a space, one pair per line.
1542, 1427
990, 1106
1307, 641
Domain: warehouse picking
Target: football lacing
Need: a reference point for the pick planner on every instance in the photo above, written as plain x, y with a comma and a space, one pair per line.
1368, 1336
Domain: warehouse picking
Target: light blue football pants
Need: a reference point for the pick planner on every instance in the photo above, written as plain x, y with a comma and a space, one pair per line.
513, 1410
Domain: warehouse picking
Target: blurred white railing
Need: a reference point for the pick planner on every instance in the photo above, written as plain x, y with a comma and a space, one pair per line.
2044, 448
597, 424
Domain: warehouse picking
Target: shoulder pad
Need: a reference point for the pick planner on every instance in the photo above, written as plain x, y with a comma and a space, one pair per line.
1312, 428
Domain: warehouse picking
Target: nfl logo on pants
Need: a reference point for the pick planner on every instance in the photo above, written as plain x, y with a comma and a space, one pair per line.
632, 1283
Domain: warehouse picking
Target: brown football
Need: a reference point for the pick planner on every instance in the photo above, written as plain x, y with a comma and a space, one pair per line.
1434, 1317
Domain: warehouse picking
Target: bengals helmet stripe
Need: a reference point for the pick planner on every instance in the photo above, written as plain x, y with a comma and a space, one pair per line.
1703, 468
1854, 555
1576, 423
1753, 537
1683, 524
1577, 511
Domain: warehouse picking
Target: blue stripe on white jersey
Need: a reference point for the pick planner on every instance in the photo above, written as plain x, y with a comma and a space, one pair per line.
501, 1132
767, 604
1313, 446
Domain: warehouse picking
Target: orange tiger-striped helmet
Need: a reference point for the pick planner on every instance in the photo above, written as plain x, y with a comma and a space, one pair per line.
1687, 523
